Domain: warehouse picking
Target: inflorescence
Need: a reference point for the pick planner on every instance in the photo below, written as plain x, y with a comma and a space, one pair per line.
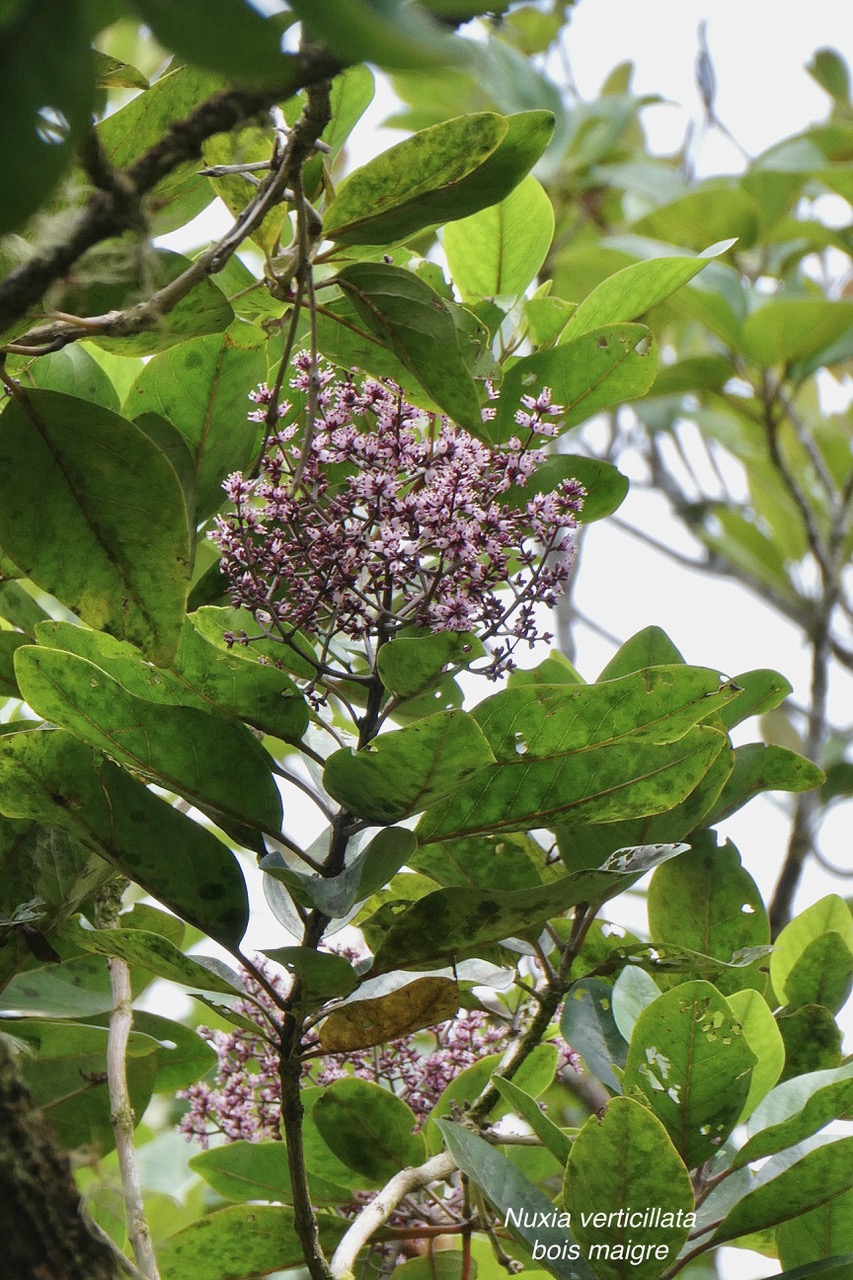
244, 1098
393, 516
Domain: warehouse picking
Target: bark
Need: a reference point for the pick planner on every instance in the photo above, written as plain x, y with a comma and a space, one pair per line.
42, 1231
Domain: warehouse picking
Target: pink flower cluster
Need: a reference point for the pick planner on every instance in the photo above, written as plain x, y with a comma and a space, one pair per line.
394, 516
244, 1099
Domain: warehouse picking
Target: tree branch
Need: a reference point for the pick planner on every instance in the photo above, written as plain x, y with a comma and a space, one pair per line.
116, 206
382, 1206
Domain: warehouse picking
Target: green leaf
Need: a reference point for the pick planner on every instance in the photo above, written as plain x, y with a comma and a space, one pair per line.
409, 317
587, 1024
527, 1109
747, 547
71, 370
386, 32
633, 991
369, 872
46, 100
812, 961
663, 959
67, 1077
761, 691
363, 1023
51, 866
546, 317
182, 1056
246, 1170
258, 1171
450, 921
789, 1190
52, 776
693, 373
235, 681
76, 988
595, 784
410, 664
635, 290
812, 1040
94, 513
813, 1236
18, 607
500, 249
830, 71
584, 845
322, 974
352, 93
606, 488
225, 36
658, 705
369, 1129
591, 372
707, 901
796, 1109
650, 647
829, 1269
201, 386
760, 767
414, 183
350, 341
787, 329
129, 132
202, 310
157, 955
10, 642
619, 1162
447, 1264
212, 761
518, 1201
203, 675
213, 622
689, 1058
510, 862
402, 772
534, 1076
764, 1039
250, 144
240, 1241
448, 171
114, 74
718, 209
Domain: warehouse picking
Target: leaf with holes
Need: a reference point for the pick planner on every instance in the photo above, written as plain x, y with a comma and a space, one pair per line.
690, 1059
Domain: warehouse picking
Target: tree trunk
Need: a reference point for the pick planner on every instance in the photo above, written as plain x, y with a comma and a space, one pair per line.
42, 1235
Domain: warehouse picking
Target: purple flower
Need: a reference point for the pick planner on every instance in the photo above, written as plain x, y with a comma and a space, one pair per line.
244, 1098
396, 517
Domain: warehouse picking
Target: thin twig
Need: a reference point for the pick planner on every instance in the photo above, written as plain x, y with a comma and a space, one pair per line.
121, 1110
122, 1260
